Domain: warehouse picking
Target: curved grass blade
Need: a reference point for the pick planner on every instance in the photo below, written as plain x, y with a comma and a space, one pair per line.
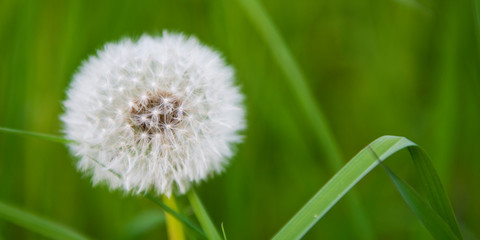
308, 105
43, 136
429, 217
224, 234
38, 225
355, 170
295, 78
202, 216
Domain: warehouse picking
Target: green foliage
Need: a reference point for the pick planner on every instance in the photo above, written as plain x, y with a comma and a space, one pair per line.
437, 226
375, 67
36, 224
202, 215
178, 216
312, 112
436, 214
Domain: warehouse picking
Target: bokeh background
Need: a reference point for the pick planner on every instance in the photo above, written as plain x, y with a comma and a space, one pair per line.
376, 67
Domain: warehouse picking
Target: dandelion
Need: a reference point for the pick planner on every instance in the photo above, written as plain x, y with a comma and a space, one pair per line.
156, 114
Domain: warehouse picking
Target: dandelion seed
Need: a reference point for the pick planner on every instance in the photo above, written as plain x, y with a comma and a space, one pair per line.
158, 112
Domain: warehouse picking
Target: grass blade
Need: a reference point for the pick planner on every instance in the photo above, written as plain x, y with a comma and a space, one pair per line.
433, 190
202, 216
36, 224
429, 217
355, 170
295, 78
312, 111
224, 234
43, 136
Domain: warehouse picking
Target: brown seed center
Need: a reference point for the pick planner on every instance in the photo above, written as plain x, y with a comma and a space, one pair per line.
156, 112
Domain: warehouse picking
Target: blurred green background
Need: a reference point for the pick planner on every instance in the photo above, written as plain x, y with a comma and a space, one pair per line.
376, 67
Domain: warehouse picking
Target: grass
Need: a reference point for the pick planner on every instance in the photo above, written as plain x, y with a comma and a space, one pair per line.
375, 67
433, 209
312, 112
437, 214
37, 224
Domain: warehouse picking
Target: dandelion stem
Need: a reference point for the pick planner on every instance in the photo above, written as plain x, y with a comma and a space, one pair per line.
174, 227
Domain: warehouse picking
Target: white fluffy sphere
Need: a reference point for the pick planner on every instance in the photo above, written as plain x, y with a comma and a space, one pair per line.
154, 114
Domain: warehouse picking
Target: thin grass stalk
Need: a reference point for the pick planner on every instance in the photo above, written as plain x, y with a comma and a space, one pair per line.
309, 106
202, 216
475, 81
43, 136
444, 118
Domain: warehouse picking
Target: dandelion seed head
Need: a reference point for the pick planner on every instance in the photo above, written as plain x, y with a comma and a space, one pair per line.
160, 112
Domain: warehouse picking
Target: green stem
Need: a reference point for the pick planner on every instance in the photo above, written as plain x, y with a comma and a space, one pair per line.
174, 227
181, 218
202, 216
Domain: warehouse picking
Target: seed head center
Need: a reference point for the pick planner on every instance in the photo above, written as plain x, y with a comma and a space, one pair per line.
155, 112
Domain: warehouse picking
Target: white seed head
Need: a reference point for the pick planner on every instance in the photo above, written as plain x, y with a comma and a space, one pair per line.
158, 113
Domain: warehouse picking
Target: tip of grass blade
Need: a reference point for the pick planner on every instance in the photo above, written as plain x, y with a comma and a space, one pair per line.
358, 167
434, 223
43, 136
224, 234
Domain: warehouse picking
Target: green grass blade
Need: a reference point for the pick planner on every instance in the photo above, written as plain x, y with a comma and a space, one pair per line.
312, 111
43, 136
295, 78
355, 170
429, 217
178, 216
36, 224
433, 190
224, 234
202, 216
